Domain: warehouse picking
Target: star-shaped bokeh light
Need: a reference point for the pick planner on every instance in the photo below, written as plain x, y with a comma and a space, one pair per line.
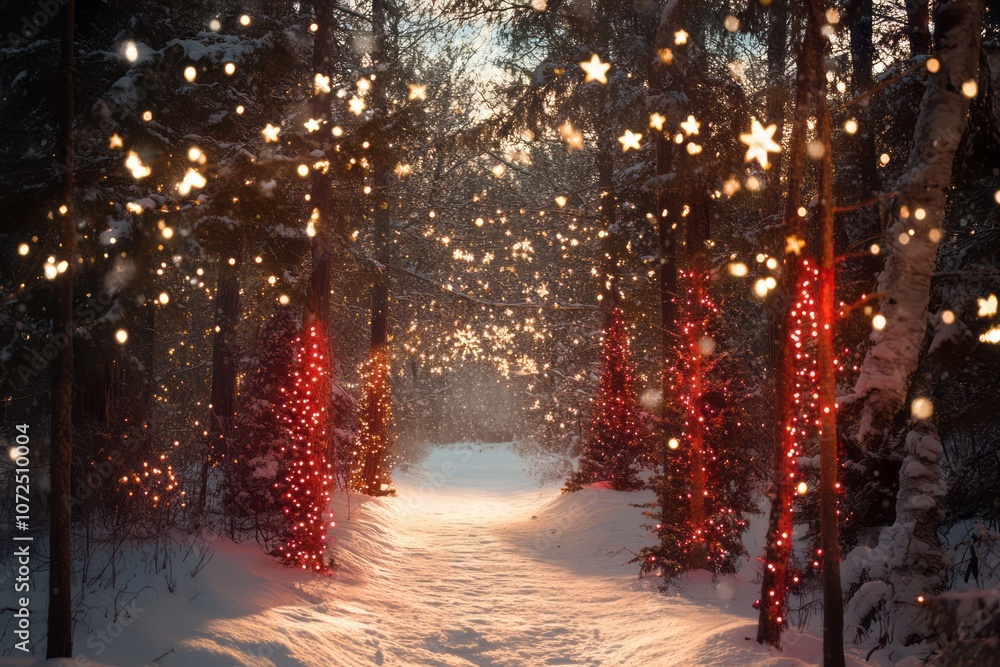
595, 70
760, 142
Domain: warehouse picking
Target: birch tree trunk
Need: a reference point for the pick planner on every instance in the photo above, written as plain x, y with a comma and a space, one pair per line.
915, 222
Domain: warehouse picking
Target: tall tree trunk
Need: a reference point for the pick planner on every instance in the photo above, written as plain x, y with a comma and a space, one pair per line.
833, 597
666, 233
321, 197
379, 394
666, 230
611, 248
862, 61
225, 358
666, 216
698, 232
60, 613
774, 587
904, 283
383, 184
918, 29
776, 96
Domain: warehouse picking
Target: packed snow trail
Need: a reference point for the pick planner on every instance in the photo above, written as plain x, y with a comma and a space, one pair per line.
472, 564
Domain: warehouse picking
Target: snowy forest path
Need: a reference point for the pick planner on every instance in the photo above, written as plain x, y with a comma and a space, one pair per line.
474, 564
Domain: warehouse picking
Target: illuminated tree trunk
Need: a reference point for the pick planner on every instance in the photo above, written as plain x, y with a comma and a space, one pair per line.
904, 283
375, 412
321, 180
306, 488
375, 416
774, 588
698, 232
60, 612
833, 598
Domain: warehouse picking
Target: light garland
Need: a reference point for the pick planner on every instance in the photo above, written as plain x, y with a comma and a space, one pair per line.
372, 472
705, 534
805, 420
306, 490
615, 448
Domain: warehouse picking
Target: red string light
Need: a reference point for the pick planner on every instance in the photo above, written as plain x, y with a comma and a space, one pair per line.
306, 497
804, 423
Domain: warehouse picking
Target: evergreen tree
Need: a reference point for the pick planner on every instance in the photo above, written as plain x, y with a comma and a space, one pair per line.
712, 537
616, 449
255, 465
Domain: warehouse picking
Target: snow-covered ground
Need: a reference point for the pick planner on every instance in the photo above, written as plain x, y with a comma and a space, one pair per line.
471, 564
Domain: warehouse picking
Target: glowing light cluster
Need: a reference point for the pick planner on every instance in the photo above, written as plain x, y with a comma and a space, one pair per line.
615, 449
706, 531
804, 397
372, 472
306, 489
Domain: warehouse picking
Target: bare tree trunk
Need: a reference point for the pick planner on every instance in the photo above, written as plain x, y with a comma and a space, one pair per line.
322, 181
667, 247
915, 223
611, 247
225, 357
918, 29
862, 61
666, 229
776, 96
60, 613
833, 597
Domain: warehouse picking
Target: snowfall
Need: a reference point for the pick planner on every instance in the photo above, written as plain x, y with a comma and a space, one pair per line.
472, 563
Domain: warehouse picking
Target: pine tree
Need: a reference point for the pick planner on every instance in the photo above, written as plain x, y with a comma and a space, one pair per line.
254, 466
615, 450
707, 534
306, 496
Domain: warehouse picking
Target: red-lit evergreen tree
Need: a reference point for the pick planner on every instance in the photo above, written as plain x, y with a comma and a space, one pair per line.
702, 488
616, 448
309, 475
